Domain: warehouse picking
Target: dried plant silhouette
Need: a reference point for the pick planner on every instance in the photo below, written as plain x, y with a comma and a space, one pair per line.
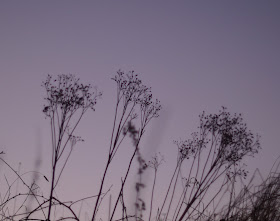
212, 155
208, 182
134, 100
67, 101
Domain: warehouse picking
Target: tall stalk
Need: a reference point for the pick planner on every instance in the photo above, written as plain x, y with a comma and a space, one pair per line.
67, 100
136, 99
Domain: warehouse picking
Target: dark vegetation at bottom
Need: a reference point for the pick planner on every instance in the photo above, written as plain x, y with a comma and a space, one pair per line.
208, 182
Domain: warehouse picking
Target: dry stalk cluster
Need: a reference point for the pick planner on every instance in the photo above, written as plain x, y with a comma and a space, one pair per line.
209, 164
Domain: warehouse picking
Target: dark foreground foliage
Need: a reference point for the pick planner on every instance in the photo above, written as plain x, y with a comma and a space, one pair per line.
212, 157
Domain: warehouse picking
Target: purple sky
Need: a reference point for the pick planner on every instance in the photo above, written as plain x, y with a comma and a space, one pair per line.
195, 55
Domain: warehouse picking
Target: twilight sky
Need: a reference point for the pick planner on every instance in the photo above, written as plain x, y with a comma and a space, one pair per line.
196, 55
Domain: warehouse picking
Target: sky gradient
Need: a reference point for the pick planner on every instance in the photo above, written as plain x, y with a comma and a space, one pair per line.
196, 55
